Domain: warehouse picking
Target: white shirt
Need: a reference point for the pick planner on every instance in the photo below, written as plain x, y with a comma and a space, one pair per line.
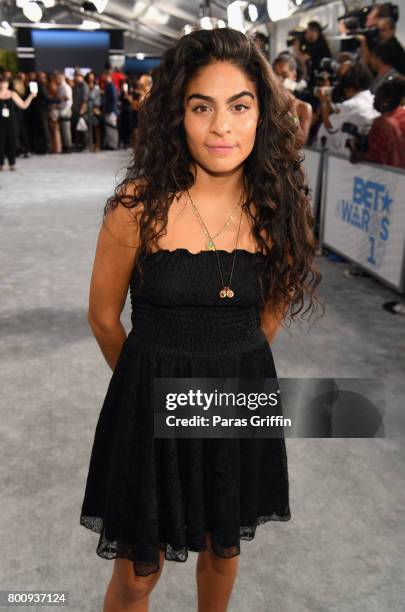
359, 111
65, 91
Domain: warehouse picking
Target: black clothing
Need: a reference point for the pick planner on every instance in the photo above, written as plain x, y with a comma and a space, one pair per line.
8, 131
145, 493
41, 139
317, 50
398, 52
398, 55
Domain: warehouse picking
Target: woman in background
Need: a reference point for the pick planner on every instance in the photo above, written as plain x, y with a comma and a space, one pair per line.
386, 139
94, 112
9, 101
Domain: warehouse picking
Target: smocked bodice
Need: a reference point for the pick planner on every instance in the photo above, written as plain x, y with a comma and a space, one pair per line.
178, 309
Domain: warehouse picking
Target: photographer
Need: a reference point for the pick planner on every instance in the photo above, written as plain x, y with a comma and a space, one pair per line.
382, 60
385, 33
311, 49
353, 117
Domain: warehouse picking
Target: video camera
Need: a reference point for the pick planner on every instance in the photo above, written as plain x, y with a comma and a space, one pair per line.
355, 20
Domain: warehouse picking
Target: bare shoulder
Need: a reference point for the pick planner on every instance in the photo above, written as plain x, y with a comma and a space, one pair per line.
304, 108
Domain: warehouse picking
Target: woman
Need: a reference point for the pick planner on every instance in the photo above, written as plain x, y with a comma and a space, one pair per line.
8, 121
125, 117
209, 282
386, 139
110, 112
94, 112
54, 125
20, 85
285, 67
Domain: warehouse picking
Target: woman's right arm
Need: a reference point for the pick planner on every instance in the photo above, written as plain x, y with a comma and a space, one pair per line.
113, 265
24, 104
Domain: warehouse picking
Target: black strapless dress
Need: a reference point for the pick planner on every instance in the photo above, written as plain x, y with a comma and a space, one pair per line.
143, 493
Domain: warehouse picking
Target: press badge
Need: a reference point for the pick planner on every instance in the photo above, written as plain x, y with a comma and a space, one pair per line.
5, 111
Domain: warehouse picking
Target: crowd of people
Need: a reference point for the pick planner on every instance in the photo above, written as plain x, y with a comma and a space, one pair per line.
352, 104
59, 115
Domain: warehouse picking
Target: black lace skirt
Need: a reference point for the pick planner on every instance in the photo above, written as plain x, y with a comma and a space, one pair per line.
145, 494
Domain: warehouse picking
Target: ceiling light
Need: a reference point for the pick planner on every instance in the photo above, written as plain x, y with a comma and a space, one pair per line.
206, 23
253, 13
187, 29
32, 11
6, 29
278, 9
140, 56
235, 15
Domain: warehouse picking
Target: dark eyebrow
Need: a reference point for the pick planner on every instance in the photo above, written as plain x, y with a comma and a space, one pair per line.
209, 99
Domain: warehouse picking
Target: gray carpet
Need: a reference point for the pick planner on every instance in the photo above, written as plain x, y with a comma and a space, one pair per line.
343, 549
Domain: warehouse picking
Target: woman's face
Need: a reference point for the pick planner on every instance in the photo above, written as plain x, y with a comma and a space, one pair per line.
283, 71
221, 113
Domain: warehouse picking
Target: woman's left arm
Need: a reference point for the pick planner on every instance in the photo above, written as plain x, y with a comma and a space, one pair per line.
273, 315
271, 319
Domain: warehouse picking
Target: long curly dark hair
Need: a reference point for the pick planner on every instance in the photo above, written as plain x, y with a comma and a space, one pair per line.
274, 178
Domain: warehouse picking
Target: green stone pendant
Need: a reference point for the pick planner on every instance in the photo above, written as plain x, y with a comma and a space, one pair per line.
210, 245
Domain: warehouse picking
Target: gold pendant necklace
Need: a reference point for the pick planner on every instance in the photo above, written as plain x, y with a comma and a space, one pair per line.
226, 290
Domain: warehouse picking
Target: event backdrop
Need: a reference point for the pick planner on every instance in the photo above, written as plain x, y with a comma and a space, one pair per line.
364, 216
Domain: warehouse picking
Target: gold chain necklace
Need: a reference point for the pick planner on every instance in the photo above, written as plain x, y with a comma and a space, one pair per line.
210, 241
226, 290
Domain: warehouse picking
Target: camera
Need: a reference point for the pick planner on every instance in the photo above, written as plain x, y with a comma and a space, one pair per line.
360, 140
326, 77
355, 20
329, 65
355, 23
